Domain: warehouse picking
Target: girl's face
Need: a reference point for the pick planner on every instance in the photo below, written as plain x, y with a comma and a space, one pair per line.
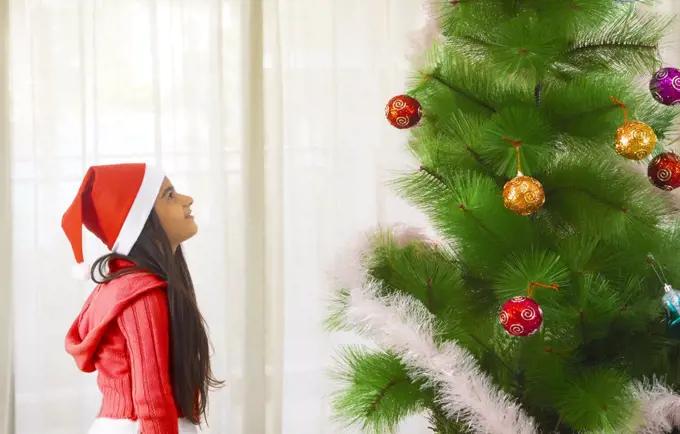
174, 213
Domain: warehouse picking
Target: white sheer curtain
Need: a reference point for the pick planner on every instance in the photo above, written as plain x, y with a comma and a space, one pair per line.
671, 50
270, 113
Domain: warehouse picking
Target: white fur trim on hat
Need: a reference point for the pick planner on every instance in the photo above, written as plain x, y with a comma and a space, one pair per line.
81, 271
139, 211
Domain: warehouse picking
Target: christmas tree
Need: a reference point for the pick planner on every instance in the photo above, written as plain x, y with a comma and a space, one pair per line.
545, 302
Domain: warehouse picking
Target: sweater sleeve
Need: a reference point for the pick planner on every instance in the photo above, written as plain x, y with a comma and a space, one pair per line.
146, 328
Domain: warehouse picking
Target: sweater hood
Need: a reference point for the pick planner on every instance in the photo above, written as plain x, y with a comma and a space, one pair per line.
101, 309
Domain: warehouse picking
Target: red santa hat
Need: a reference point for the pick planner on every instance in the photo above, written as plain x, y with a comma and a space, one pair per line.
113, 202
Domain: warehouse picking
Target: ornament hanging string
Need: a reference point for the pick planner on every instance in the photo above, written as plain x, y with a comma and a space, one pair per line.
659, 57
623, 106
657, 269
670, 298
516, 144
424, 78
533, 285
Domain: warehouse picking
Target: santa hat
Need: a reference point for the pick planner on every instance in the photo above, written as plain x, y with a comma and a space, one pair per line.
113, 202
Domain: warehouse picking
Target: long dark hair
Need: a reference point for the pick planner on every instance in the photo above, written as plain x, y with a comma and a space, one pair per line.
190, 369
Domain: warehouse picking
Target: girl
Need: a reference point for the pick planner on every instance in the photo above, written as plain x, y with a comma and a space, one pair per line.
141, 328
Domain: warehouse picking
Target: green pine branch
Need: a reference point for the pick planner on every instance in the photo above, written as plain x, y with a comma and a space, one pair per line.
625, 43
465, 207
453, 146
586, 116
460, 91
462, 87
603, 200
597, 400
426, 272
376, 391
441, 424
336, 318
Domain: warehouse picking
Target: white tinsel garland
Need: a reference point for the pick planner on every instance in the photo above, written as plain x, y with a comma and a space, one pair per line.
429, 34
403, 325
660, 406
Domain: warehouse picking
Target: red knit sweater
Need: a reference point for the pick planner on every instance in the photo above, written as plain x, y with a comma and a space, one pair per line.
123, 333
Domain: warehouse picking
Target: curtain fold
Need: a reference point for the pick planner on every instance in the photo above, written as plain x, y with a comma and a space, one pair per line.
6, 383
254, 395
272, 106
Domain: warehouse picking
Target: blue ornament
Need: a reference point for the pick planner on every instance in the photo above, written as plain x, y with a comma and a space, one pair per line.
671, 301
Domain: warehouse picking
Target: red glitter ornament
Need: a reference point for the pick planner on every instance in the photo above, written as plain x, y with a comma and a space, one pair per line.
403, 111
521, 316
664, 171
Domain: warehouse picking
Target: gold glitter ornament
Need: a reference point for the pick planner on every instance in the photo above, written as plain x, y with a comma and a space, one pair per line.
523, 195
635, 140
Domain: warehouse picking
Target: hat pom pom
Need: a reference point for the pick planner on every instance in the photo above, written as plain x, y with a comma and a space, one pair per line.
81, 271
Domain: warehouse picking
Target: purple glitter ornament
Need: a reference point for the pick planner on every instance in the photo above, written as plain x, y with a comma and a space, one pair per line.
665, 86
